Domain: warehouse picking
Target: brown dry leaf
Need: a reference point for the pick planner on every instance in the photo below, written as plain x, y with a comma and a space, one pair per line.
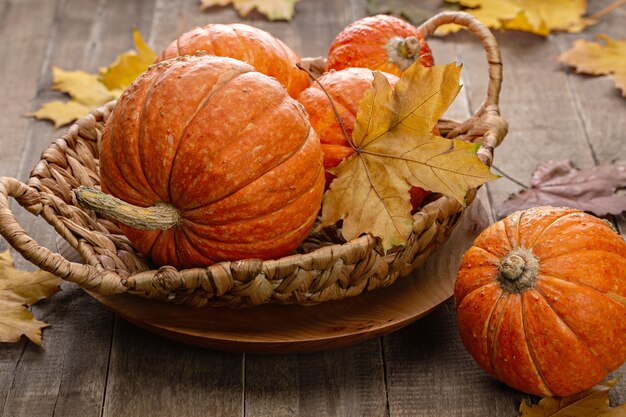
272, 9
412, 11
559, 183
395, 150
535, 16
593, 402
89, 90
19, 289
597, 59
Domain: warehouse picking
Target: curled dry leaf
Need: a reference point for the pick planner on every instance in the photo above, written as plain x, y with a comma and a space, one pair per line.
396, 150
559, 183
272, 9
599, 59
89, 90
19, 289
593, 402
535, 16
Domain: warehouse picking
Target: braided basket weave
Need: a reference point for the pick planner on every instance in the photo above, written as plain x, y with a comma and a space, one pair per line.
325, 267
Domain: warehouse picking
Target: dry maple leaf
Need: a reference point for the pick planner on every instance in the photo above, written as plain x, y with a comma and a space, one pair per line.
559, 183
535, 16
593, 402
396, 150
412, 11
272, 9
597, 59
19, 289
129, 65
89, 90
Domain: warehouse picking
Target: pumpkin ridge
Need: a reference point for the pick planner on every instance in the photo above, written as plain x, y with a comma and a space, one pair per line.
543, 258
494, 338
205, 100
539, 236
285, 160
582, 284
213, 239
492, 284
287, 57
140, 129
533, 360
580, 340
239, 219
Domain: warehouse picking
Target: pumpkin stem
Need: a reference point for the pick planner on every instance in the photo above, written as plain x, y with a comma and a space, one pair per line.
403, 51
518, 270
161, 216
332, 104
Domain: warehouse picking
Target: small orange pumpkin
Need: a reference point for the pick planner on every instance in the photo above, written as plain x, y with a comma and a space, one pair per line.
380, 42
257, 47
541, 300
227, 160
346, 89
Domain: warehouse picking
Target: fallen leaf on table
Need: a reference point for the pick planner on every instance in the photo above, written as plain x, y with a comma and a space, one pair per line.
396, 150
593, 402
89, 90
401, 8
559, 183
535, 16
129, 65
19, 289
598, 59
272, 9
61, 112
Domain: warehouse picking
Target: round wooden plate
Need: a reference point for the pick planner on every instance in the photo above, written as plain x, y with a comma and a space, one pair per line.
275, 328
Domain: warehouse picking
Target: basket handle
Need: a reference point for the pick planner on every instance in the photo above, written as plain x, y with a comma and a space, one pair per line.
88, 276
488, 40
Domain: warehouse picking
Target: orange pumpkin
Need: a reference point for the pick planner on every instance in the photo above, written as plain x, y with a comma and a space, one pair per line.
541, 300
380, 42
257, 47
346, 89
223, 150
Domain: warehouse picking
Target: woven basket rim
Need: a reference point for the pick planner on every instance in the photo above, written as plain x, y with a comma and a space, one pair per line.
329, 272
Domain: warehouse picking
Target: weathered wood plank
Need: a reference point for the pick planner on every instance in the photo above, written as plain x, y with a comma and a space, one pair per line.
342, 382
153, 376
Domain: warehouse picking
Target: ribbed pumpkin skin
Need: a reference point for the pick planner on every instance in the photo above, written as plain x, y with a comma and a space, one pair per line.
568, 330
227, 147
363, 44
257, 47
346, 88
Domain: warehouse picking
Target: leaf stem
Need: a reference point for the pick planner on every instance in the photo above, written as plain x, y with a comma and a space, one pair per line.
332, 104
508, 177
608, 9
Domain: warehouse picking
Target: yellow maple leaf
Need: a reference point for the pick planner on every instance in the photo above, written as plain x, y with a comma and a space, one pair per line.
593, 402
83, 87
19, 289
394, 150
535, 16
60, 112
597, 59
272, 9
129, 65
90, 90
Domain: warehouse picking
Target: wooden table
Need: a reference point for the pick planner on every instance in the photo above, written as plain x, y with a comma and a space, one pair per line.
93, 363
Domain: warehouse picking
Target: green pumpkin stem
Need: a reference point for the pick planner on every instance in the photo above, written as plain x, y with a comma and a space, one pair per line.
161, 216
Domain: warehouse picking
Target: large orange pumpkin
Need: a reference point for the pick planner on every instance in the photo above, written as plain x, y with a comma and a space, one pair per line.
380, 42
541, 299
257, 47
224, 148
346, 89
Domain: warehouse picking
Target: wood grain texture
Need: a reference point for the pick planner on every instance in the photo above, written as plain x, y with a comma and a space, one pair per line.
423, 369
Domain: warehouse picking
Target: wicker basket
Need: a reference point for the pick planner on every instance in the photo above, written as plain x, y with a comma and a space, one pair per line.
326, 267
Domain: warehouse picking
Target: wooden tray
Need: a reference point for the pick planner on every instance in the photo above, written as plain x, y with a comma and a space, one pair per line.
276, 328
